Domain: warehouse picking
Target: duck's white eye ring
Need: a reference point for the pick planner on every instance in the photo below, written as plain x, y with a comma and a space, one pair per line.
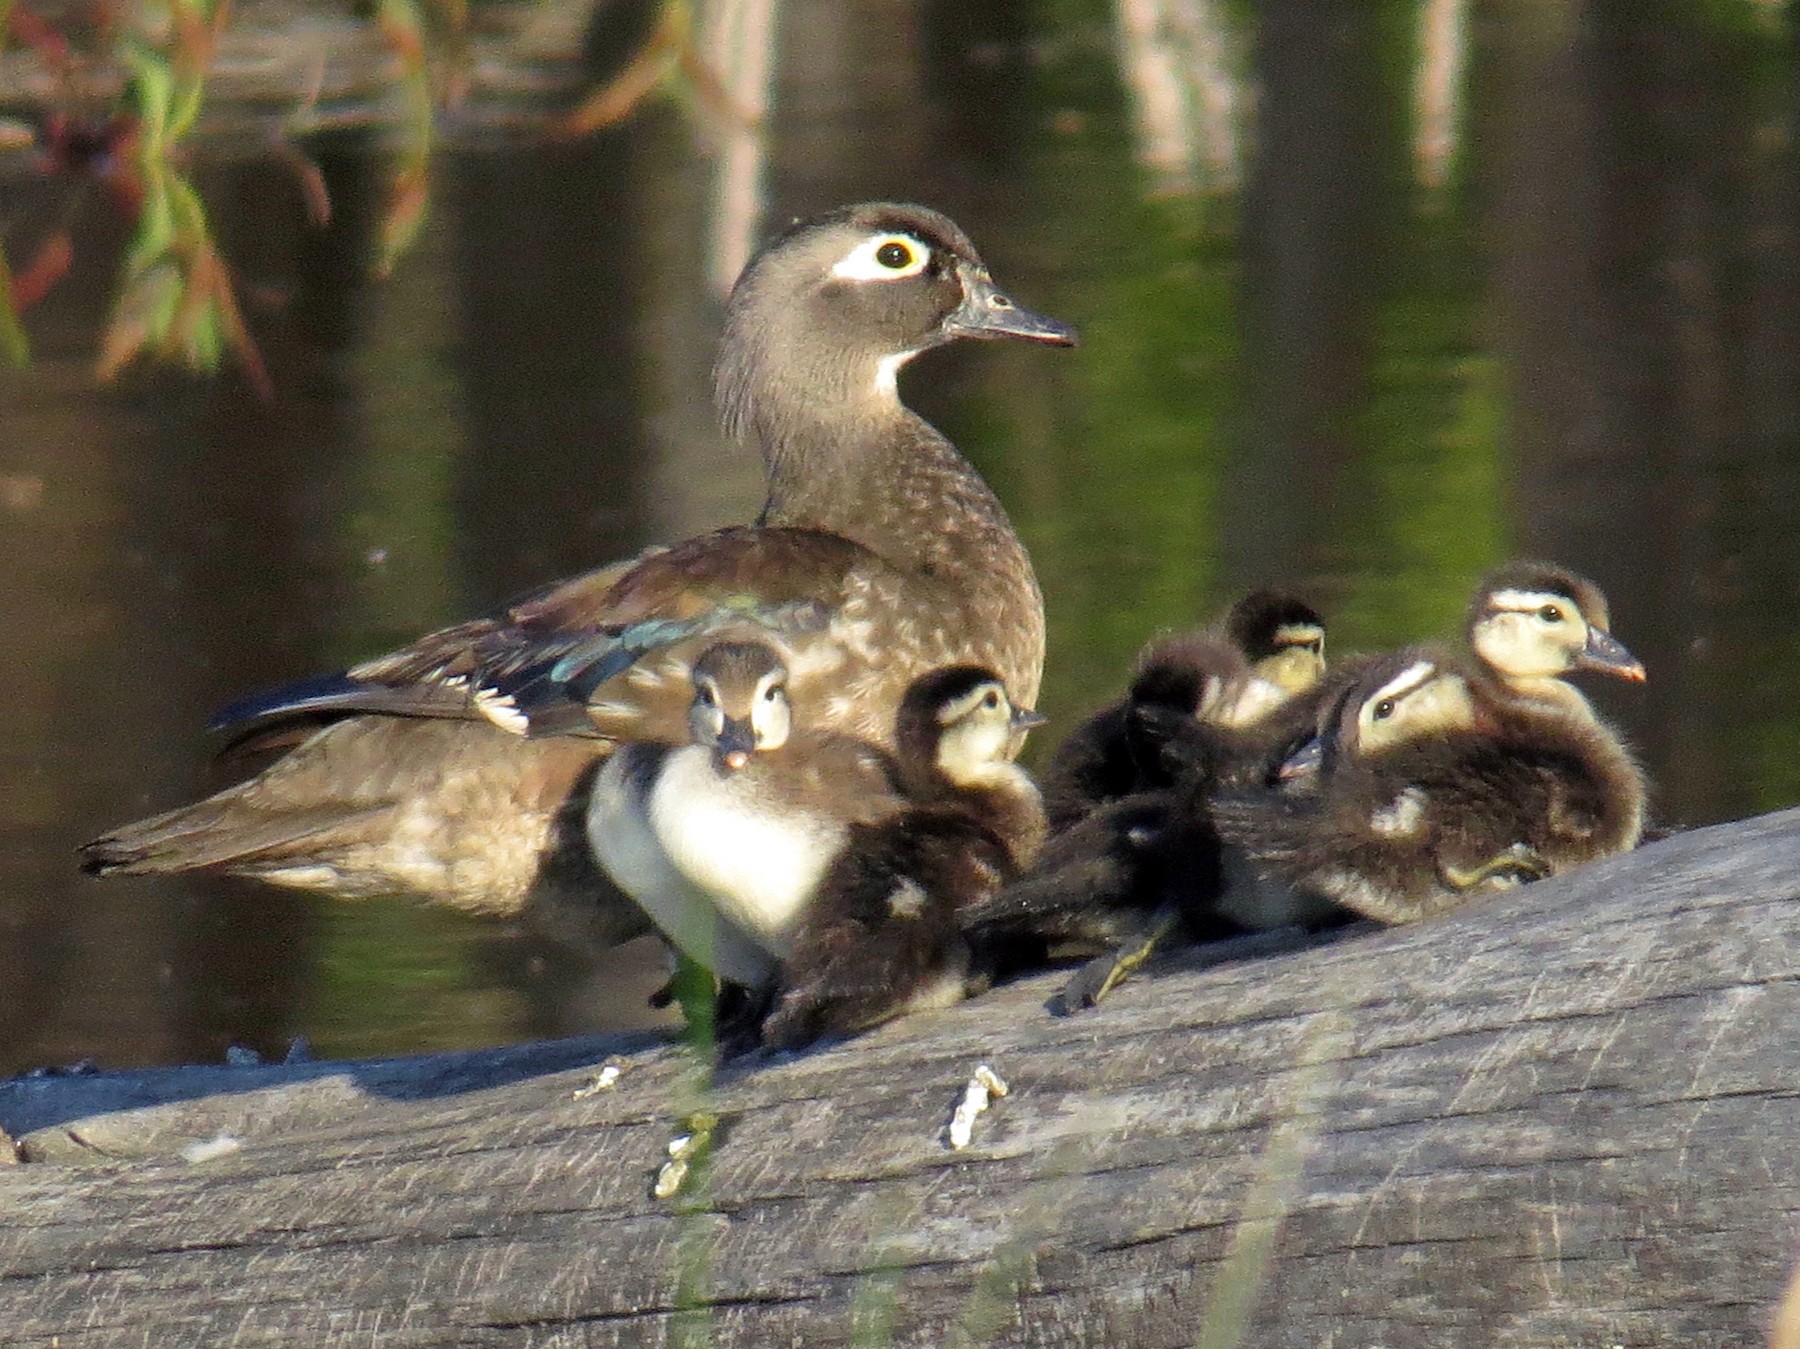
883, 257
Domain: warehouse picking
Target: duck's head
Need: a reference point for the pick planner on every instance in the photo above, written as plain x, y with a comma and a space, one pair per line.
961, 721
1192, 673
740, 704
1282, 637
832, 307
1531, 621
1402, 699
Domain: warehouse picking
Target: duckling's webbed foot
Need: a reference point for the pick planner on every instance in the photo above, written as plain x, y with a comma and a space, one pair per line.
1094, 980
1517, 865
738, 1019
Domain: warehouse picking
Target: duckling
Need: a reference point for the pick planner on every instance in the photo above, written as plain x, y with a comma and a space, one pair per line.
1531, 624
723, 841
880, 937
1146, 850
1338, 831
1133, 855
879, 554
1283, 638
1234, 673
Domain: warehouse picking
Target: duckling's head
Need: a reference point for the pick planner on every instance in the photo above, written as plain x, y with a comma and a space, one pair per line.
1282, 637
961, 721
740, 702
1402, 699
828, 311
1191, 674
1532, 621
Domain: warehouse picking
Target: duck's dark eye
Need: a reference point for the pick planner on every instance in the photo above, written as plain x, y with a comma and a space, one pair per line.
1384, 709
704, 696
771, 693
992, 699
1550, 614
894, 254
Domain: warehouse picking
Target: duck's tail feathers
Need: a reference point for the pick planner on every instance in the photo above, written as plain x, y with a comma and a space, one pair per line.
221, 833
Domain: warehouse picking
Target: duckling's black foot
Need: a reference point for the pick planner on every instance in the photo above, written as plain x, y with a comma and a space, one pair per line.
738, 1019
1094, 980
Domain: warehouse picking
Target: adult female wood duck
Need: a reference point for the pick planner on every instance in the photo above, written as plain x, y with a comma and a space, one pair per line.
879, 554
774, 855
1232, 674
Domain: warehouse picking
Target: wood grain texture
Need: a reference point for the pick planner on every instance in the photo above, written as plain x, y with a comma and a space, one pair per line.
1567, 1118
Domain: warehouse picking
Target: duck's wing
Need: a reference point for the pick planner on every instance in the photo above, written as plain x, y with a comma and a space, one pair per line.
530, 667
621, 669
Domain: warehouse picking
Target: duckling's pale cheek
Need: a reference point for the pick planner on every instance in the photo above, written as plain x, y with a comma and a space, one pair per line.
1402, 816
907, 900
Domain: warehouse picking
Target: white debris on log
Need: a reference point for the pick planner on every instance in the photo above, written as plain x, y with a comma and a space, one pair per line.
210, 1149
685, 1150
605, 1080
983, 1087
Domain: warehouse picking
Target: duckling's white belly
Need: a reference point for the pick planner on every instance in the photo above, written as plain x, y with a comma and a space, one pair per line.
626, 843
757, 863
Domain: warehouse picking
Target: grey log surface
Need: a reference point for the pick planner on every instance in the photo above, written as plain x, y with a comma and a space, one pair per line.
1565, 1118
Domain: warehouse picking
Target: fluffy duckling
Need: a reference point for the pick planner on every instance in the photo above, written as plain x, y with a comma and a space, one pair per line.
1347, 830
881, 934
1530, 625
1228, 677
723, 841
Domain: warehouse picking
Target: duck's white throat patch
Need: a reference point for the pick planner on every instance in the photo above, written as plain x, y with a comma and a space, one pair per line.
887, 373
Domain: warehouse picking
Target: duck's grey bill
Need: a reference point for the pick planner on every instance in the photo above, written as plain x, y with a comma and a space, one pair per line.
986, 312
1606, 652
1303, 762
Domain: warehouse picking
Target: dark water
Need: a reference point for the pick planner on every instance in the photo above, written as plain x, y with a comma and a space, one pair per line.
1327, 360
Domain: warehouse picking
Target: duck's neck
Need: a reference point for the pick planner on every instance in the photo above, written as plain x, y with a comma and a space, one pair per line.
1002, 798
845, 455
1550, 694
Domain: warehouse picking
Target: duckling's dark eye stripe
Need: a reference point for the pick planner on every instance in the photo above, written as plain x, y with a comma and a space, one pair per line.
1531, 601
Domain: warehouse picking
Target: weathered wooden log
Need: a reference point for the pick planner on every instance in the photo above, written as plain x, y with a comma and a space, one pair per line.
1566, 1118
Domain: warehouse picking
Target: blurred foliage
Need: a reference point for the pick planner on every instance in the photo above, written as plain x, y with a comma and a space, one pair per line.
177, 301
667, 63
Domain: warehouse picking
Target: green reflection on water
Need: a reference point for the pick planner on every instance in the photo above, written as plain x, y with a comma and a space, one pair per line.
1428, 482
391, 974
